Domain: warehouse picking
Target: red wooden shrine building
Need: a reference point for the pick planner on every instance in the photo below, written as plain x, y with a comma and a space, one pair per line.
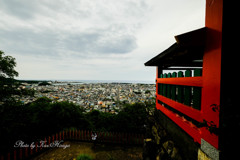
198, 97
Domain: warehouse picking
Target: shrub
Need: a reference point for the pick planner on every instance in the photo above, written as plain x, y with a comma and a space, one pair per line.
84, 157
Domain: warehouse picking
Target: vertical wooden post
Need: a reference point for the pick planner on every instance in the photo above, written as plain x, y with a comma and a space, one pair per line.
26, 152
197, 91
212, 67
165, 86
187, 90
161, 85
169, 87
20, 153
49, 140
31, 151
180, 89
15, 155
173, 89
36, 147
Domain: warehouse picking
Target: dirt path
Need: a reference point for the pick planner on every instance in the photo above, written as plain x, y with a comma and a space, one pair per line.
99, 152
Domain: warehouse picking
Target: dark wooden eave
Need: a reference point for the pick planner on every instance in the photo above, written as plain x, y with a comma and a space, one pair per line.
186, 52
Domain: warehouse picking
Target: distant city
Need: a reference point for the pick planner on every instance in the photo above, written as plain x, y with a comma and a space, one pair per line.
105, 96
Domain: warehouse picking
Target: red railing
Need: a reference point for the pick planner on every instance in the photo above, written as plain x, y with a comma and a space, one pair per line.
179, 98
21, 153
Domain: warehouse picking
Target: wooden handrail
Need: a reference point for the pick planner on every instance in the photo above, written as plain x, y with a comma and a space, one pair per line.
187, 110
185, 81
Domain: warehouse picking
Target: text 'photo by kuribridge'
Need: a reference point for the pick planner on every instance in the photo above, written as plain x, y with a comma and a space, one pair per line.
190, 113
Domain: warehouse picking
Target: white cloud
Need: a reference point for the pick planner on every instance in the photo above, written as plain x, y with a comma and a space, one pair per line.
100, 39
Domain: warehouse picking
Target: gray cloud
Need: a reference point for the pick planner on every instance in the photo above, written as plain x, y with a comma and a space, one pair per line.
29, 42
49, 43
23, 9
74, 27
104, 42
91, 39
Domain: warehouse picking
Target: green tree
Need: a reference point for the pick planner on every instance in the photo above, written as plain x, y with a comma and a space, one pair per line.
7, 82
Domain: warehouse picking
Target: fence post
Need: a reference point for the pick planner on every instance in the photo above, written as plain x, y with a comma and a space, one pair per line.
26, 152
161, 85
49, 140
197, 91
180, 89
173, 89
20, 153
165, 86
36, 145
15, 155
169, 75
187, 90
31, 151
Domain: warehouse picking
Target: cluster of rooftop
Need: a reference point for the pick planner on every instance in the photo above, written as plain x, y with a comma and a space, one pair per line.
106, 97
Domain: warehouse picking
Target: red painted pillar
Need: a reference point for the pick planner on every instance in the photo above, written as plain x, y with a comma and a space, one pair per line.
36, 149
15, 155
212, 68
26, 152
20, 153
31, 151
49, 140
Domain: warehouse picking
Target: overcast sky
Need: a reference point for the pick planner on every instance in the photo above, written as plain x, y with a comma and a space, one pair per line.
93, 39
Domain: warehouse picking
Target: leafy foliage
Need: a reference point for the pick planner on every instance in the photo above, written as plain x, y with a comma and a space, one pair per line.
84, 157
7, 64
8, 85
